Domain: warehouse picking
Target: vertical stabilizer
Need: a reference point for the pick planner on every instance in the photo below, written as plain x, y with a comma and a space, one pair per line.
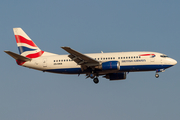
25, 45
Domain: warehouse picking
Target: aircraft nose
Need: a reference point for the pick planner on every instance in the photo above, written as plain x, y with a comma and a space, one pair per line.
174, 62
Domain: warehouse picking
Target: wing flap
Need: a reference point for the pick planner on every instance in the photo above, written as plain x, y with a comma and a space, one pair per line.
17, 56
80, 58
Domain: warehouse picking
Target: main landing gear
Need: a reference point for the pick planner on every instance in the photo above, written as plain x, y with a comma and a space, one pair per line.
93, 76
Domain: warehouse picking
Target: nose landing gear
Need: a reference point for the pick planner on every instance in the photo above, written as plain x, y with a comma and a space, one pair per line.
156, 75
96, 80
157, 71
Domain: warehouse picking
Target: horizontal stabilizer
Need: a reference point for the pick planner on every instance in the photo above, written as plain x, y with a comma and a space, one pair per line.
17, 56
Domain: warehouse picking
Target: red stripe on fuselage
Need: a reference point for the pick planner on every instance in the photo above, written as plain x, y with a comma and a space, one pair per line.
20, 62
147, 55
20, 39
35, 55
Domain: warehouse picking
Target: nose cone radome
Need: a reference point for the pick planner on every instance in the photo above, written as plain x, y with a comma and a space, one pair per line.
173, 62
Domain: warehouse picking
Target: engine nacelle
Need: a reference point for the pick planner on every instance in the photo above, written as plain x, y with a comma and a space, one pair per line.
111, 65
116, 76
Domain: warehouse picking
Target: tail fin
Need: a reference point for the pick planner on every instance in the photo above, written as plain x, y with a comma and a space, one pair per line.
25, 45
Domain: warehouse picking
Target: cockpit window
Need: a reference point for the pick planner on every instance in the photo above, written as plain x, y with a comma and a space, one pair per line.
164, 56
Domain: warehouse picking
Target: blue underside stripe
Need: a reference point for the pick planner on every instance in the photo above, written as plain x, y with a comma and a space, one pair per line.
143, 67
122, 68
24, 49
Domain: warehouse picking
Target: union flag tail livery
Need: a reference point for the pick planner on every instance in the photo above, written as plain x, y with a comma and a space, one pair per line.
25, 45
112, 66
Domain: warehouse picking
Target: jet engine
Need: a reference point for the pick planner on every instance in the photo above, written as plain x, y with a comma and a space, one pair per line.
116, 76
111, 65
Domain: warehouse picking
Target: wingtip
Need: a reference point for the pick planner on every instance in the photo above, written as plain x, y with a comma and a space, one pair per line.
65, 47
6, 51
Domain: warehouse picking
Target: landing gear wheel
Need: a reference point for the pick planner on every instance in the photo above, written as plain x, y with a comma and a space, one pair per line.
156, 75
96, 80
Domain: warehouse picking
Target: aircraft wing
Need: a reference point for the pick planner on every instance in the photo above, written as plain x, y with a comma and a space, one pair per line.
80, 58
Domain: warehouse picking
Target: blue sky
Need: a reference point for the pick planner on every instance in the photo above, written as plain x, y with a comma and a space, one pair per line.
90, 27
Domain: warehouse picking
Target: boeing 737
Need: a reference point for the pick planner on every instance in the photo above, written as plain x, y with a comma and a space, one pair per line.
112, 66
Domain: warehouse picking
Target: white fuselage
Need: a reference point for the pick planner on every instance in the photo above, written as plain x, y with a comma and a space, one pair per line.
129, 61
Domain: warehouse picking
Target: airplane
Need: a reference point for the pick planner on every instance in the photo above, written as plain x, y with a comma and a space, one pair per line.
112, 66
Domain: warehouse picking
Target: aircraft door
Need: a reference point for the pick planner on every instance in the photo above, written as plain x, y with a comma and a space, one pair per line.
152, 59
44, 62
